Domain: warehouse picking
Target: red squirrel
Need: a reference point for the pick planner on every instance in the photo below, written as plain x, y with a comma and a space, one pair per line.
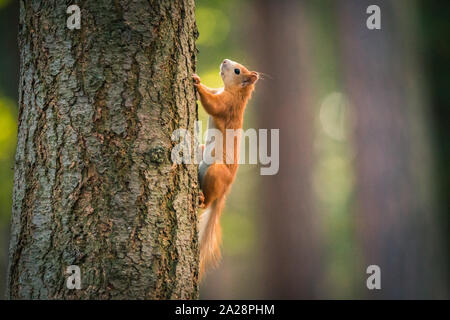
225, 107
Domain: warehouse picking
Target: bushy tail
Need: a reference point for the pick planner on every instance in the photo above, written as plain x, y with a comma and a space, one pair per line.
210, 235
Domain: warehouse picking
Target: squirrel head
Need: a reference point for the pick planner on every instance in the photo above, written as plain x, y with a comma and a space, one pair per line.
237, 77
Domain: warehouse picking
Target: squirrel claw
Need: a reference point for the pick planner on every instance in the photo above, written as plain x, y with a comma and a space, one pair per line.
196, 79
201, 200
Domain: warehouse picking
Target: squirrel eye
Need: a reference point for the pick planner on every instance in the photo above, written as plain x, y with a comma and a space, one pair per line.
237, 71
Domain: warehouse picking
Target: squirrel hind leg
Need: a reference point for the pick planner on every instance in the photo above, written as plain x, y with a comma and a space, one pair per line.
215, 183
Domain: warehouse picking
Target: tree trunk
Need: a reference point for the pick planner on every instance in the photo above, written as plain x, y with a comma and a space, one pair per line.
94, 184
396, 211
292, 251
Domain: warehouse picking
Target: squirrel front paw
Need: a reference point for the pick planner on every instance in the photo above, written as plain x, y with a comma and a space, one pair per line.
196, 79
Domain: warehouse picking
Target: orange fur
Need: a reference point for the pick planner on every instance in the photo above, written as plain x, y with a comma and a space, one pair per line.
226, 107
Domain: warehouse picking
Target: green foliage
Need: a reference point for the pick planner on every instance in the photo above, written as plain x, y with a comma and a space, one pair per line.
8, 133
4, 3
214, 24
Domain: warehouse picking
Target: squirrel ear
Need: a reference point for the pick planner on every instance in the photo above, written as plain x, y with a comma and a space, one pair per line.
250, 79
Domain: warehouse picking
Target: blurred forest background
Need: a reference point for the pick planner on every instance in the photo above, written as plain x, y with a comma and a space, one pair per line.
364, 119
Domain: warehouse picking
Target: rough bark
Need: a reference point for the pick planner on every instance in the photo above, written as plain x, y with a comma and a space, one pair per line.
94, 184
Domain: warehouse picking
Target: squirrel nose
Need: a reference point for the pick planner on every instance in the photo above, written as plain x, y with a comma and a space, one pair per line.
226, 61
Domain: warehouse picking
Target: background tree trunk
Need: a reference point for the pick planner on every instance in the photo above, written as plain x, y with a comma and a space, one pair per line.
9, 80
292, 251
396, 212
94, 184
